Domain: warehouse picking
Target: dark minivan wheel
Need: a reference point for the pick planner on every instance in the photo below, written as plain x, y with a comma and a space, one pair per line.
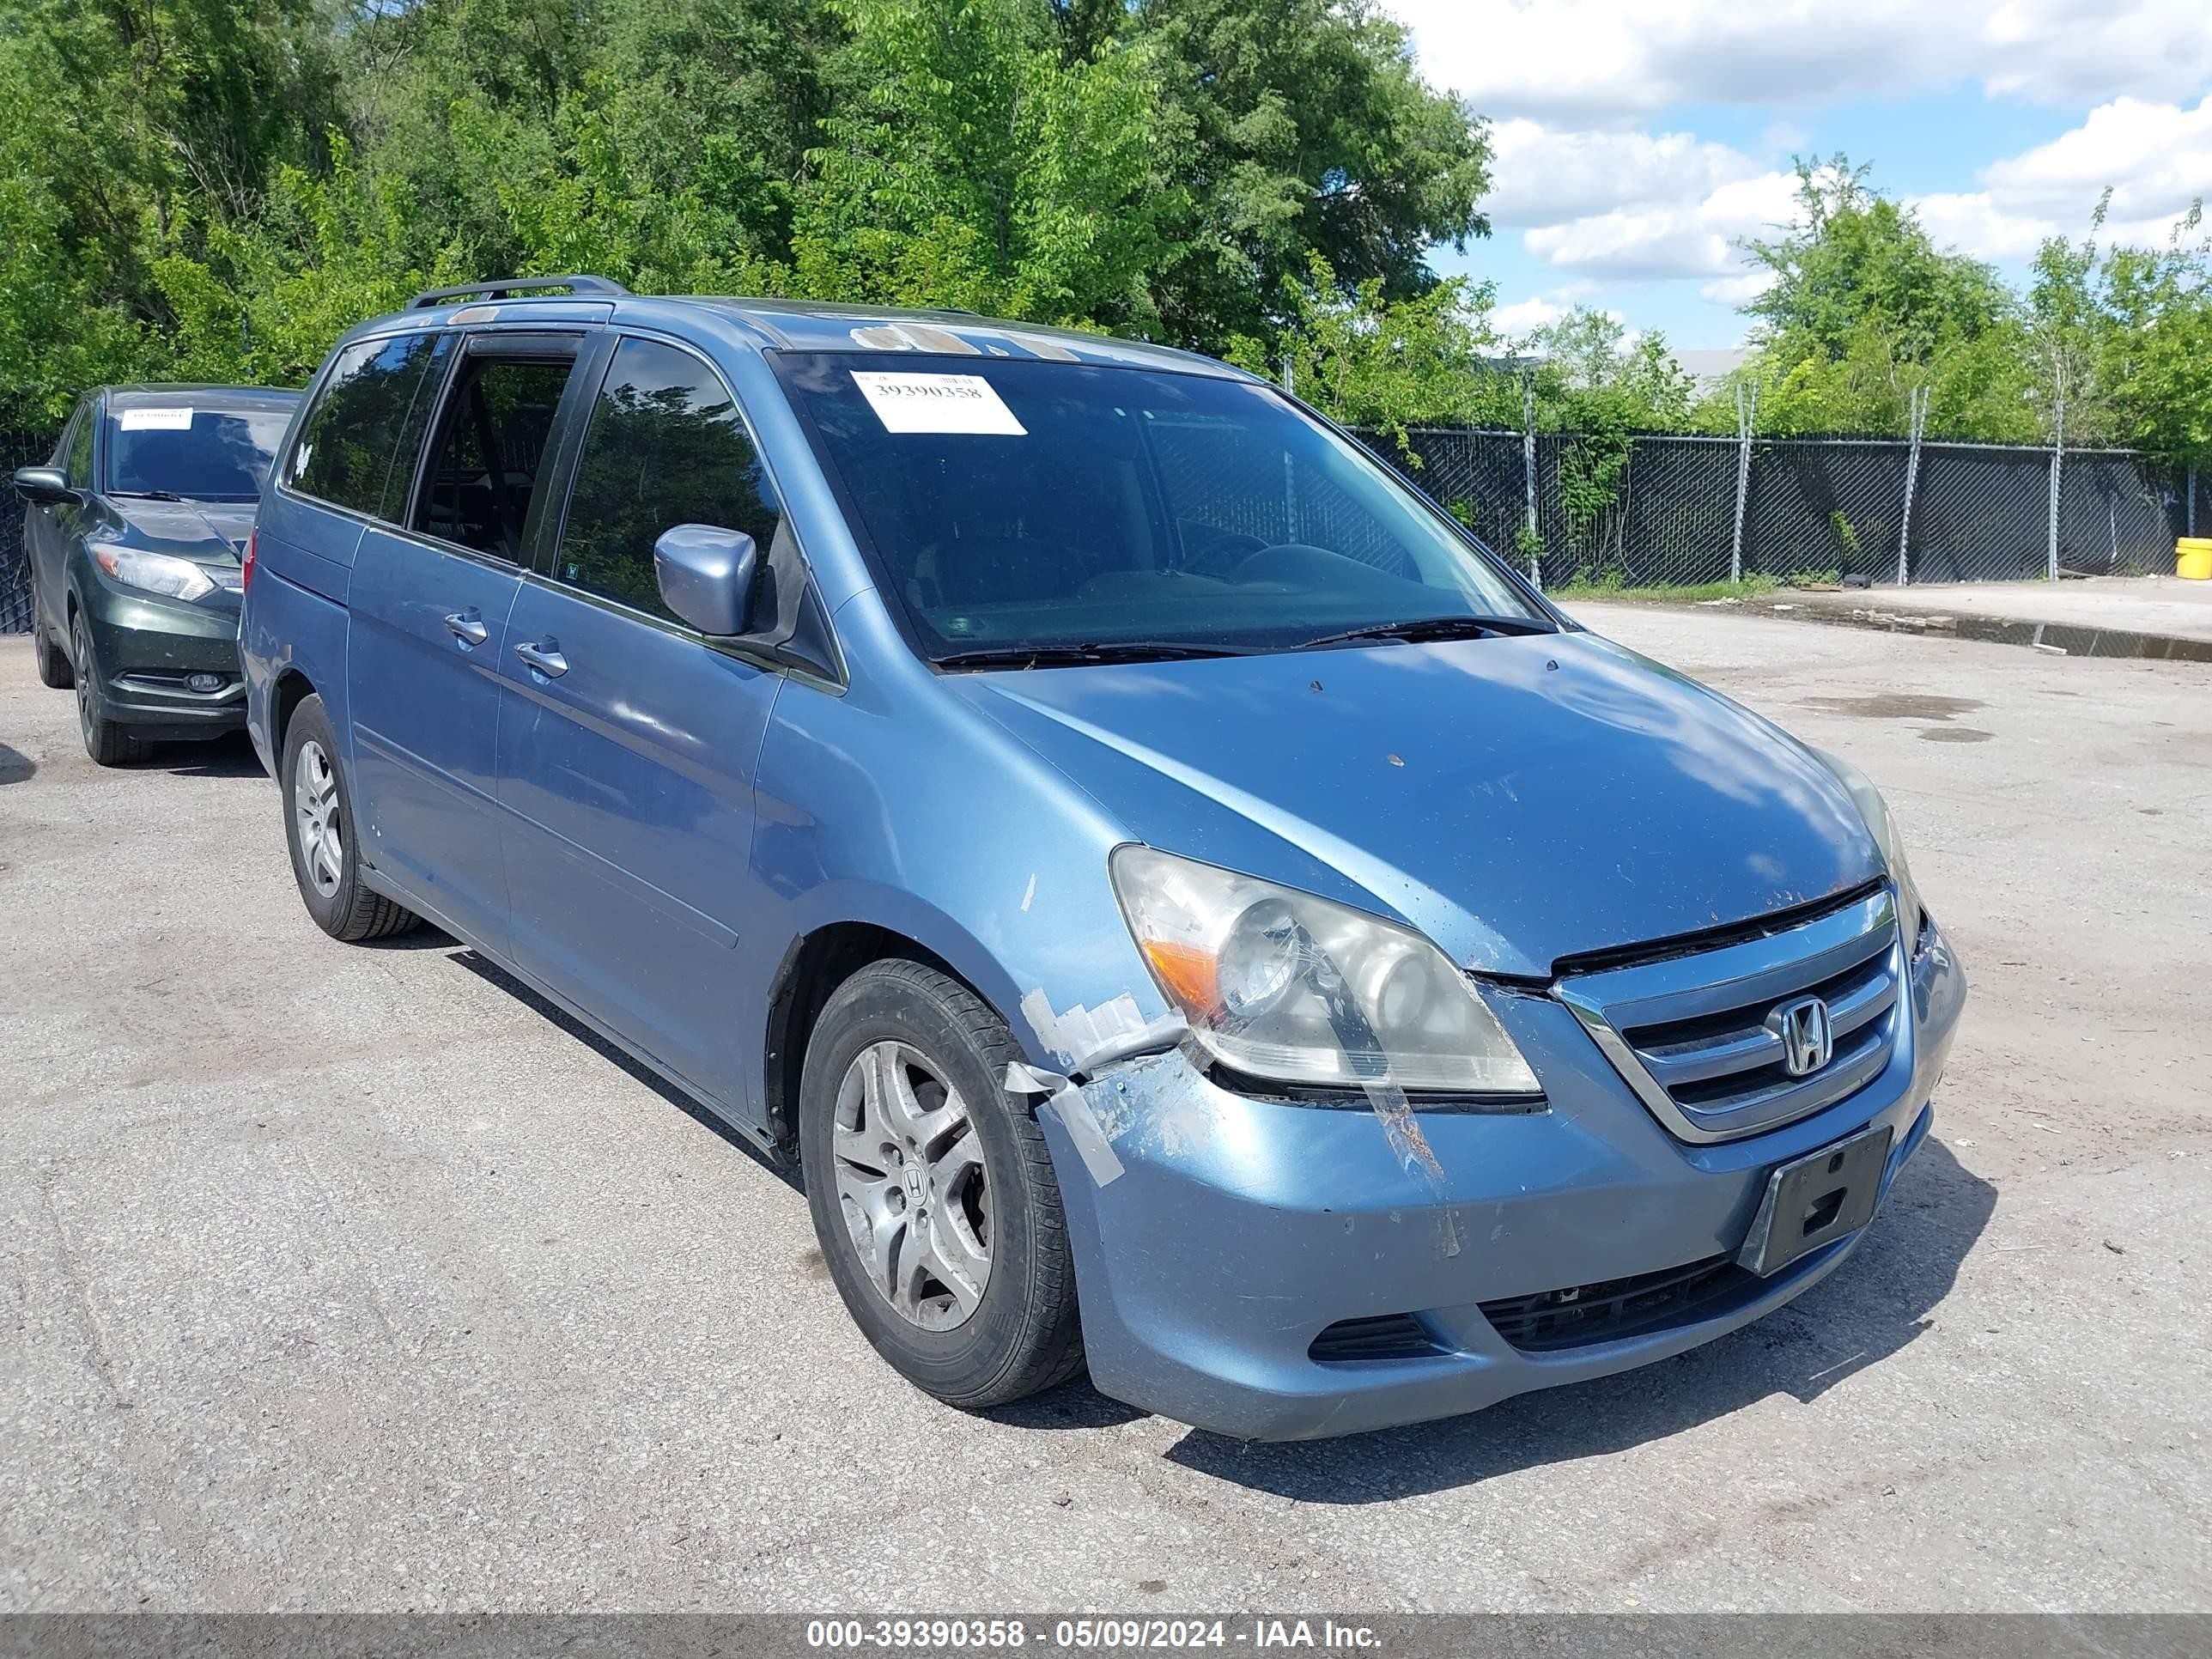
108, 744
932, 1191
318, 825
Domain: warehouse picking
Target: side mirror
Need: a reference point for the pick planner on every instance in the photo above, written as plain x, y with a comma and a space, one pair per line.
44, 485
706, 576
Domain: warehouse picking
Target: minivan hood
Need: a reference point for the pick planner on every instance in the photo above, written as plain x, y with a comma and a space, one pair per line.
1519, 800
212, 532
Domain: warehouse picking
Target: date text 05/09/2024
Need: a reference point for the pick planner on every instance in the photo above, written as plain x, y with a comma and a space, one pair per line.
1083, 1634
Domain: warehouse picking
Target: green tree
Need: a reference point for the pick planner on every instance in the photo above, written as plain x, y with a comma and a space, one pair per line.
1864, 309
132, 132
970, 162
1369, 361
2158, 348
1294, 127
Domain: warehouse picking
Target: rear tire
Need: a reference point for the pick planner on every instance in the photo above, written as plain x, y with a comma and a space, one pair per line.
319, 828
107, 743
920, 1168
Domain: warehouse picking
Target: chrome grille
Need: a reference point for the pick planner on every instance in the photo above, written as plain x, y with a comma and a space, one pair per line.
1695, 1034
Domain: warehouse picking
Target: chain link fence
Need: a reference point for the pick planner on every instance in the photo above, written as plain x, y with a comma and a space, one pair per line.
1684, 511
16, 449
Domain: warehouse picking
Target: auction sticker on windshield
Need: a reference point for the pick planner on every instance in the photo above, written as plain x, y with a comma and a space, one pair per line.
938, 403
156, 420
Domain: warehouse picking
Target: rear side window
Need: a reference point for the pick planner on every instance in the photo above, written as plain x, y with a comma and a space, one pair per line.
666, 446
363, 419
490, 453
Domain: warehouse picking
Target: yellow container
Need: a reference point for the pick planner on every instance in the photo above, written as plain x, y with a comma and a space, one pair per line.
2192, 558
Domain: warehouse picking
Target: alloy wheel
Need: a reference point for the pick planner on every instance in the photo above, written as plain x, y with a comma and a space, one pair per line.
315, 803
81, 647
911, 1183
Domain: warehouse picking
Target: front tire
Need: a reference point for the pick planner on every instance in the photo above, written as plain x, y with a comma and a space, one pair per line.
107, 743
319, 827
932, 1191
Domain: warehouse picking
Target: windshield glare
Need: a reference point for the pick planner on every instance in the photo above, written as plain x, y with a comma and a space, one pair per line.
202, 454
1028, 505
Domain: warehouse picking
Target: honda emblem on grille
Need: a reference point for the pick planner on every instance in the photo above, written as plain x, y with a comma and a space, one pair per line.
1808, 1038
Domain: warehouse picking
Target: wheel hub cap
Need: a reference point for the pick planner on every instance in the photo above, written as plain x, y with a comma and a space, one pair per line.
911, 1185
315, 805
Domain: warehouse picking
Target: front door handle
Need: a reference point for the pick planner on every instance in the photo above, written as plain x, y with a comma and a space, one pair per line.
467, 626
546, 658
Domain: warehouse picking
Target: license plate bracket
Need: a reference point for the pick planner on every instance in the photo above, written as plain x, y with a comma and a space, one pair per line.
1815, 1199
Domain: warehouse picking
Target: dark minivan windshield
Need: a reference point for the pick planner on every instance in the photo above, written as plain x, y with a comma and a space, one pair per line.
1016, 506
192, 450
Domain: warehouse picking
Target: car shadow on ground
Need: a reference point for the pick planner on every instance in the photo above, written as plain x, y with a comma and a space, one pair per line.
15, 765
492, 973
1878, 1302
230, 755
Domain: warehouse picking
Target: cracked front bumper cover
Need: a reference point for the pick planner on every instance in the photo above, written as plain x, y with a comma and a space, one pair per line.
1229, 1232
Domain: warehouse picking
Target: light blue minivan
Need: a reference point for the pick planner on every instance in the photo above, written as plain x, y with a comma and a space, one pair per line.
1187, 909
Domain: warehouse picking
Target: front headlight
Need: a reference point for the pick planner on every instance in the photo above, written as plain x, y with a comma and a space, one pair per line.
156, 573
1882, 826
1281, 985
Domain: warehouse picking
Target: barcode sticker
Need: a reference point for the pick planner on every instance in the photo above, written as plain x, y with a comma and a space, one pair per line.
938, 403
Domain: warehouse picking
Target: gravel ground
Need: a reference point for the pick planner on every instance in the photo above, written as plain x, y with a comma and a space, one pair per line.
353, 1278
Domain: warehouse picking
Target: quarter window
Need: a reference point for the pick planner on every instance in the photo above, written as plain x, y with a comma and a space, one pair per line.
77, 458
346, 444
666, 446
490, 453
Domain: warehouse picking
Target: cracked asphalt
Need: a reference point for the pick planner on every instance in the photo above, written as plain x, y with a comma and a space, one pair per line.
354, 1278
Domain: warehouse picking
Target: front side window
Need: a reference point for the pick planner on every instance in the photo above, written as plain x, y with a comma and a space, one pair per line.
346, 445
190, 450
666, 446
1014, 506
490, 453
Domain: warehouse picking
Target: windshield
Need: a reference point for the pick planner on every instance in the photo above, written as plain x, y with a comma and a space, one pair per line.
201, 454
1015, 506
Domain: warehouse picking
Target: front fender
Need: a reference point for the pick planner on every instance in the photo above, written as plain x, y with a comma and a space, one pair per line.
899, 807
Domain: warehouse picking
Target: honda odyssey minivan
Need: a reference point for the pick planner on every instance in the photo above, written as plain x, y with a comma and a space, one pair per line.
1187, 909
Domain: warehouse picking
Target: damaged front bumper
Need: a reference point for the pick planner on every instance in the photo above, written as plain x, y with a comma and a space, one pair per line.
1272, 1270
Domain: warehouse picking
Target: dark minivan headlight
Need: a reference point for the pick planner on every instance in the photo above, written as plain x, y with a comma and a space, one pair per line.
1284, 986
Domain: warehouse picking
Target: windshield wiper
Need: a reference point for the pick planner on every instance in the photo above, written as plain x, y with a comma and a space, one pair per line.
148, 495
1435, 627
1059, 656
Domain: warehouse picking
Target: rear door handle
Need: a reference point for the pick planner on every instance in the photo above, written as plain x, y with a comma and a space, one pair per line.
546, 658
467, 626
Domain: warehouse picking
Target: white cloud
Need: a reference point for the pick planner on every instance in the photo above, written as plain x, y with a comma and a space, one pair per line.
1524, 317
1736, 291
1609, 63
1692, 237
1636, 205
1547, 176
1973, 222
2156, 158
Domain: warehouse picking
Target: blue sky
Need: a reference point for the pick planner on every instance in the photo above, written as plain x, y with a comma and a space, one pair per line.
1636, 142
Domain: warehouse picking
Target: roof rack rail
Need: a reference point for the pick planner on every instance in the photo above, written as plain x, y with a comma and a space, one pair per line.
502, 286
